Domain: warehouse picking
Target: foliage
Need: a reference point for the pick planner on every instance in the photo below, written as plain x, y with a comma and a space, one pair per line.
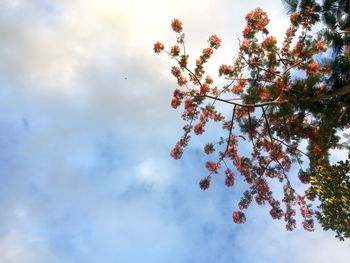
332, 186
269, 110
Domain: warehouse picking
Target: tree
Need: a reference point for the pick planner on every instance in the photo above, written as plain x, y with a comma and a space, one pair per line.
330, 184
335, 15
272, 112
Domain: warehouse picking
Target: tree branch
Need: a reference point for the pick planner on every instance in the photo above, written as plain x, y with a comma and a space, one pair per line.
339, 92
250, 105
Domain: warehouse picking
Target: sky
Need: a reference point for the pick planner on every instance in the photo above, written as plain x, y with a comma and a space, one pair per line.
85, 133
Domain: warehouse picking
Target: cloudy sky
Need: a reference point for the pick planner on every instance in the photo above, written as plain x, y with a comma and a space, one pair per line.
85, 134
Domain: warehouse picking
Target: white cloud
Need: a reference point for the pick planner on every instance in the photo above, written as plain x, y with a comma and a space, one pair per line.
17, 247
150, 172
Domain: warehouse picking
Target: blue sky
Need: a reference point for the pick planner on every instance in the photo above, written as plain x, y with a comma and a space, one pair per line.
85, 133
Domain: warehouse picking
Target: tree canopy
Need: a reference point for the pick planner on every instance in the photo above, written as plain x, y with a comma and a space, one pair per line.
277, 98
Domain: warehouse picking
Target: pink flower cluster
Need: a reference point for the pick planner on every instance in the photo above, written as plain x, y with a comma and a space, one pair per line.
269, 43
205, 183
177, 151
289, 200
238, 217
214, 41
238, 88
226, 70
304, 177
208, 80
245, 200
158, 47
181, 80
257, 20
209, 148
176, 25
198, 128
312, 68
306, 213
175, 51
262, 191
230, 178
177, 99
212, 166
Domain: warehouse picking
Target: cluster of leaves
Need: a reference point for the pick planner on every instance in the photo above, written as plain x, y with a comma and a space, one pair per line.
331, 185
274, 112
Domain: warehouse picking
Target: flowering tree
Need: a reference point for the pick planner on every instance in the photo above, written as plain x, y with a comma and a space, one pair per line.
270, 111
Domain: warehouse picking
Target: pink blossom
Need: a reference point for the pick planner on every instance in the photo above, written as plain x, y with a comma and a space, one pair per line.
158, 47
178, 94
214, 41
175, 50
212, 167
238, 217
176, 25
207, 52
269, 42
230, 178
225, 70
208, 80
198, 128
209, 148
304, 177
204, 183
176, 152
175, 71
204, 88
175, 102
